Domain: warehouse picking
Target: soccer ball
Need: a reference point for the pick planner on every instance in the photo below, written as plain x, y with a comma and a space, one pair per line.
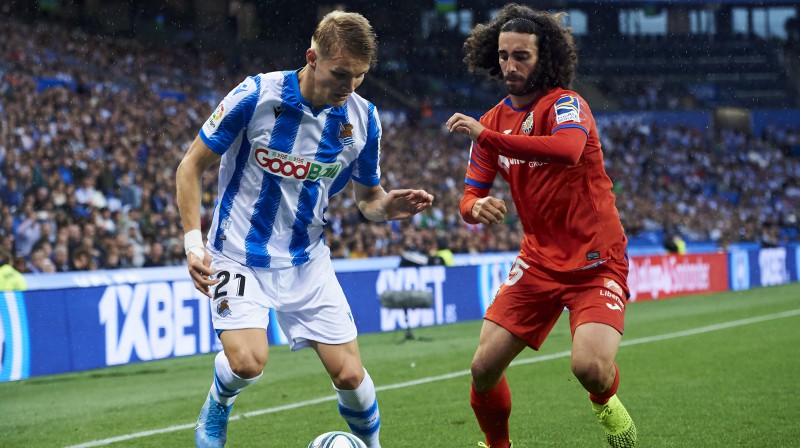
337, 439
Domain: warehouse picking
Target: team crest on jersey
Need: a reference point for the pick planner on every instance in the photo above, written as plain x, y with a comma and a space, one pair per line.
346, 134
216, 117
527, 125
568, 108
223, 309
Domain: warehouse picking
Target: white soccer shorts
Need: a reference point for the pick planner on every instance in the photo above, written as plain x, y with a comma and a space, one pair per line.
309, 302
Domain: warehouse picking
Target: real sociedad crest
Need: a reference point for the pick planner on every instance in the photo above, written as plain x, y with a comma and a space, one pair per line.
346, 134
527, 125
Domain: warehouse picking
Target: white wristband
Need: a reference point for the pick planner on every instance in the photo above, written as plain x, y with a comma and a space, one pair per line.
193, 242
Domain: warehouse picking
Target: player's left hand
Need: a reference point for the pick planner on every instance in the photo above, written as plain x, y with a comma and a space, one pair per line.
466, 125
403, 204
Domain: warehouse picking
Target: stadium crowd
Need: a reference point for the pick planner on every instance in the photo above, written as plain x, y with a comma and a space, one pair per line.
93, 128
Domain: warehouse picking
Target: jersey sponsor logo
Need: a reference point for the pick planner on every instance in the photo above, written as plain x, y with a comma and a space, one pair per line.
294, 167
346, 134
568, 108
216, 117
505, 163
527, 125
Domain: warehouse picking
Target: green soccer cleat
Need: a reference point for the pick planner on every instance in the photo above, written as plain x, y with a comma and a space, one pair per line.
620, 430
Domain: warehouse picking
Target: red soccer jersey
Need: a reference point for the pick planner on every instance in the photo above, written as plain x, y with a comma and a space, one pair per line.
549, 153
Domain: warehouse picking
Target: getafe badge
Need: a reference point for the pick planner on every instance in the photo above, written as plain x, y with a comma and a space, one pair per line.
527, 125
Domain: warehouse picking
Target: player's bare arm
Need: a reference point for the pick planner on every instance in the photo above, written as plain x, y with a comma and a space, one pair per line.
466, 125
198, 158
379, 205
489, 210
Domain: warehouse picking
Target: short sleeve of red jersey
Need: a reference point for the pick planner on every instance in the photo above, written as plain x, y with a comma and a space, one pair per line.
570, 111
482, 167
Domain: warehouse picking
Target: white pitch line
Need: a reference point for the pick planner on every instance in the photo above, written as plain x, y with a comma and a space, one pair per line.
431, 379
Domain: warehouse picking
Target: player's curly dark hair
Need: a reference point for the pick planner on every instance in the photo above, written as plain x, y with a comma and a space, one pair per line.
558, 57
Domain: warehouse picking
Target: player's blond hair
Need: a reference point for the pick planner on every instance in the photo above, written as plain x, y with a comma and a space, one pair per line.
347, 33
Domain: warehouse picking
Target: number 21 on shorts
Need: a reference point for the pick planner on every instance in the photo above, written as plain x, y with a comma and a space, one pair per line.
222, 287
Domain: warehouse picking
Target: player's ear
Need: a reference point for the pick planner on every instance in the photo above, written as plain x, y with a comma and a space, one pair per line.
311, 58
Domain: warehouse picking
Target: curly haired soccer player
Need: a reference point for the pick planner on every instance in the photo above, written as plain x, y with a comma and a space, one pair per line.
286, 142
543, 141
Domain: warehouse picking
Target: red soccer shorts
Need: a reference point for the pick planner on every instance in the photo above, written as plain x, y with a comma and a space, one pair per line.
532, 298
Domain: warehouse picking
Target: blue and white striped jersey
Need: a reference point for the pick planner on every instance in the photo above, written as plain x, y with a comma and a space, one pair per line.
281, 161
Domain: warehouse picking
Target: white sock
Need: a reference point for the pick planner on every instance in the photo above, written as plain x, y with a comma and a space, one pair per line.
359, 408
227, 384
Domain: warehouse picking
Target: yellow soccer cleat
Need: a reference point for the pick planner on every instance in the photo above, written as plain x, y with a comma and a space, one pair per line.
620, 430
483, 445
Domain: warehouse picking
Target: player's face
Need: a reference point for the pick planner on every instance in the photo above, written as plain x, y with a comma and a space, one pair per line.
335, 78
519, 53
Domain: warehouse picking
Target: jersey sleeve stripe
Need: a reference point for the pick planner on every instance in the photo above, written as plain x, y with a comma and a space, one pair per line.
367, 171
474, 165
211, 145
570, 125
480, 154
477, 184
234, 121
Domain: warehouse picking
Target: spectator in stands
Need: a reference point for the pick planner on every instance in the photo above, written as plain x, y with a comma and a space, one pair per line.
442, 250
155, 255
99, 124
82, 260
10, 278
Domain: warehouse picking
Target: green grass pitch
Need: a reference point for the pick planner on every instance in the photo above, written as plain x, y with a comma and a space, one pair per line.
704, 371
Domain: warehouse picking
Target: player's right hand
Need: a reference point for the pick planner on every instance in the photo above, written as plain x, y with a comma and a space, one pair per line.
489, 210
201, 272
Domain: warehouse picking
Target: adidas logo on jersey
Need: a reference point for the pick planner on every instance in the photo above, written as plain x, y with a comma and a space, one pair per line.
295, 167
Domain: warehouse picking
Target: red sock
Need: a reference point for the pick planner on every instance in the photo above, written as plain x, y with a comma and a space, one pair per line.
605, 396
492, 408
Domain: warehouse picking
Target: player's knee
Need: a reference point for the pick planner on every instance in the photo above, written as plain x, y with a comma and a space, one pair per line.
247, 366
484, 375
593, 374
348, 378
